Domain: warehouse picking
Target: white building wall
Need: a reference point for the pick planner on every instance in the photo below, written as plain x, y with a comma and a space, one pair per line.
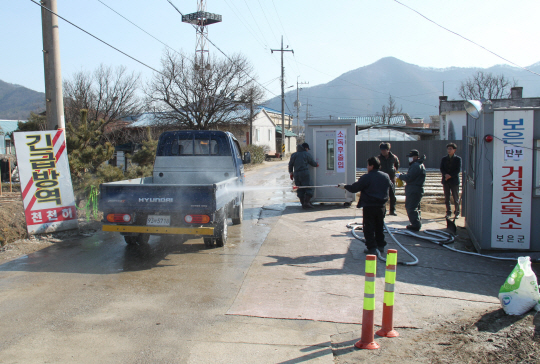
264, 132
456, 118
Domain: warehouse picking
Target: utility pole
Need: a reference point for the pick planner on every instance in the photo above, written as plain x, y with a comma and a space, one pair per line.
251, 120
297, 102
54, 99
282, 93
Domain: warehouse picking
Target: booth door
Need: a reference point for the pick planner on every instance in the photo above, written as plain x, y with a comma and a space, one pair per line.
326, 173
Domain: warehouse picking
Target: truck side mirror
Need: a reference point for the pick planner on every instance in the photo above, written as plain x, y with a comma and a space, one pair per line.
247, 158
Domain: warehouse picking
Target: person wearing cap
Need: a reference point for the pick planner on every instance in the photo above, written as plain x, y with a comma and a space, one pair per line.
450, 168
373, 187
414, 188
299, 172
389, 165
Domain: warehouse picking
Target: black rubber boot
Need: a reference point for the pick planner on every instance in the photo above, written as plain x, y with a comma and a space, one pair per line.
307, 204
302, 200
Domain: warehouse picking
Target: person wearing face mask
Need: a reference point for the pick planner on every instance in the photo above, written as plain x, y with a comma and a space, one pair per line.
414, 188
389, 165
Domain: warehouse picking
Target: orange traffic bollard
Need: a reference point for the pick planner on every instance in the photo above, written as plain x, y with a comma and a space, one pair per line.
367, 341
387, 329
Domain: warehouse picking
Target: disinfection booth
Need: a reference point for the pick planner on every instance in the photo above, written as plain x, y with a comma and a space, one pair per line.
332, 144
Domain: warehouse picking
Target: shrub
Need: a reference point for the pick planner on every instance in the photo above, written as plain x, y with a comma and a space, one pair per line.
257, 153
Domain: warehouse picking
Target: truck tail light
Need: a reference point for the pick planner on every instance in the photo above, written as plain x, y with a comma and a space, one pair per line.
197, 219
124, 218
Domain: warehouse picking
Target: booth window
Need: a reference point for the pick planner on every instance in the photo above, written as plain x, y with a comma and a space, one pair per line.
471, 165
330, 155
537, 168
269, 135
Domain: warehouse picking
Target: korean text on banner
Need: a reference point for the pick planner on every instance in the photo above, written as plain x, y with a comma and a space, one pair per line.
341, 136
512, 179
47, 192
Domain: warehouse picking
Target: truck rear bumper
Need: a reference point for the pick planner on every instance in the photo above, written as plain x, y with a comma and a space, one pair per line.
159, 230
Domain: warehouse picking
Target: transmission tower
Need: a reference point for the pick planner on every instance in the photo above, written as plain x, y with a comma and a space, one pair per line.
201, 19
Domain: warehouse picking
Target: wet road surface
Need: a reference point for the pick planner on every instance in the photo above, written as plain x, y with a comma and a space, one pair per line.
98, 300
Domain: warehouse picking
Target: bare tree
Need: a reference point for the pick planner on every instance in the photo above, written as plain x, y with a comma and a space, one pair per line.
390, 110
486, 85
107, 94
184, 96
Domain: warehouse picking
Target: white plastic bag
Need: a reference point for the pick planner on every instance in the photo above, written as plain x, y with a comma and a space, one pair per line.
520, 291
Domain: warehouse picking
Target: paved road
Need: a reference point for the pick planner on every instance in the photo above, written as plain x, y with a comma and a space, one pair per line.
97, 300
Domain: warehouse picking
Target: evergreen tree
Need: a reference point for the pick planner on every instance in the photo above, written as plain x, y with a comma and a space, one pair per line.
86, 156
144, 158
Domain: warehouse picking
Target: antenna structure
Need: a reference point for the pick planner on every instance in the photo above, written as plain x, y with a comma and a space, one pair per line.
201, 19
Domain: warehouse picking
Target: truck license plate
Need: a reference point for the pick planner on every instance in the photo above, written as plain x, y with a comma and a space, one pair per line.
158, 220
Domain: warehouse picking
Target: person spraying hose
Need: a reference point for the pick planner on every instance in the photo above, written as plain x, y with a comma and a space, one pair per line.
373, 187
299, 172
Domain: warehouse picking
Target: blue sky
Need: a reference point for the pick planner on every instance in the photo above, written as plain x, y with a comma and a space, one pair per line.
329, 38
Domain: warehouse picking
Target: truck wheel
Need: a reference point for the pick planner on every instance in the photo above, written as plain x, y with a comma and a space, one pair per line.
221, 238
238, 213
130, 240
208, 242
142, 239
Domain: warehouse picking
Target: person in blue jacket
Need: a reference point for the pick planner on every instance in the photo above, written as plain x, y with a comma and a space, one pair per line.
373, 187
450, 169
415, 179
299, 172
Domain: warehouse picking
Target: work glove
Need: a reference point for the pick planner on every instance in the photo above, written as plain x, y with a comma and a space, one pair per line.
397, 175
317, 165
291, 175
341, 185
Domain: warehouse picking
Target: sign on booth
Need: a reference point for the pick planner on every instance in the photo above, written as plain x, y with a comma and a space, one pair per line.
47, 192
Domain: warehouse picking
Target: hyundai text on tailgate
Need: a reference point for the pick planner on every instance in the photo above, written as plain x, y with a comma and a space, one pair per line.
196, 185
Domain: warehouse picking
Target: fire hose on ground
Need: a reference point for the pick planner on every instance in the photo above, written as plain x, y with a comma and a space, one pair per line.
438, 237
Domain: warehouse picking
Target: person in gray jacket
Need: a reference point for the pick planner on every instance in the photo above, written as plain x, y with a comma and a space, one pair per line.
299, 171
414, 189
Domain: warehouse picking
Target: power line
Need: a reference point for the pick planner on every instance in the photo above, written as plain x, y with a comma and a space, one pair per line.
93, 36
467, 39
166, 45
246, 25
256, 23
267, 21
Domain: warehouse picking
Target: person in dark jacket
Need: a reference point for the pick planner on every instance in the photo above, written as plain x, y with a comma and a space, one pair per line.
389, 165
414, 188
373, 187
299, 171
450, 169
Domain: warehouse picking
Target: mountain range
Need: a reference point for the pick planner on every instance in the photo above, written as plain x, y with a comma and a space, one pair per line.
360, 92
363, 91
16, 102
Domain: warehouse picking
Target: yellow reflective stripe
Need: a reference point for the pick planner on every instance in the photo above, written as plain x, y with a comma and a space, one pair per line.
369, 304
158, 229
388, 298
390, 277
391, 259
371, 266
369, 288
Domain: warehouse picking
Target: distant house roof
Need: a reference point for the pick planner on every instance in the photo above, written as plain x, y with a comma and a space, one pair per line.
375, 120
8, 126
386, 134
288, 133
259, 108
150, 119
